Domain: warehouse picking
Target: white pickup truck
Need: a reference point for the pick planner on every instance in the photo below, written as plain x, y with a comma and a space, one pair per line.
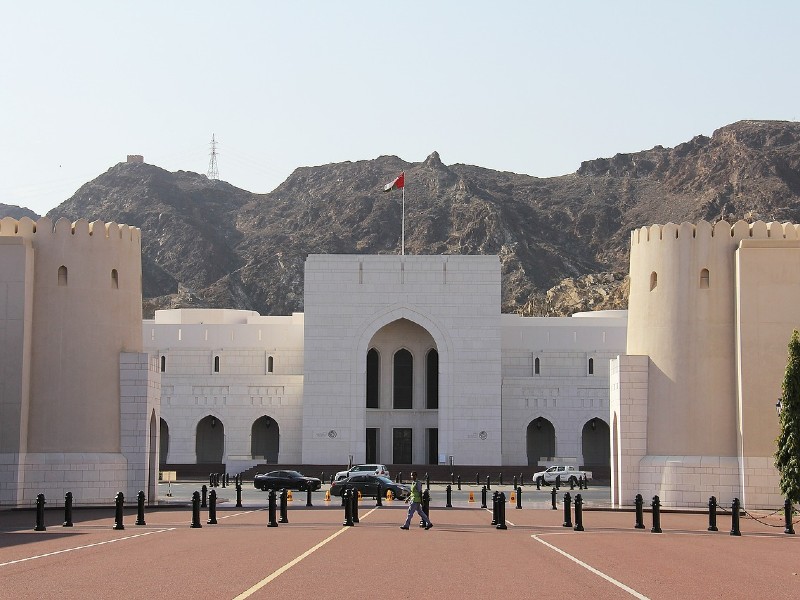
569, 475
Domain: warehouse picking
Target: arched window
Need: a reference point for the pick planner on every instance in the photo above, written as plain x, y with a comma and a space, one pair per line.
114, 279
536, 366
403, 379
270, 364
704, 278
62, 275
163, 364
591, 366
216, 364
373, 378
432, 379
653, 280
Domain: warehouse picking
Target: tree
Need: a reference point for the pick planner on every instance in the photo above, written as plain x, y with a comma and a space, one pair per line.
787, 456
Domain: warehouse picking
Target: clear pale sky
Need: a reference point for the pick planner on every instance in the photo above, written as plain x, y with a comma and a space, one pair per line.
530, 87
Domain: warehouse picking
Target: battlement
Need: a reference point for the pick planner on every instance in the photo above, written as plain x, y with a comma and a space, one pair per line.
44, 228
721, 231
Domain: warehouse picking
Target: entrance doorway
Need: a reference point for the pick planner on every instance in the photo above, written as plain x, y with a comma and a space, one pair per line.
541, 441
433, 445
372, 445
210, 441
401, 446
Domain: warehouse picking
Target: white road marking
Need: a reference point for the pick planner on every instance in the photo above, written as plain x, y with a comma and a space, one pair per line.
608, 578
249, 592
130, 537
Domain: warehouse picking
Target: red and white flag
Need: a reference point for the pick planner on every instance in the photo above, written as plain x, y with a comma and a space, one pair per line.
397, 184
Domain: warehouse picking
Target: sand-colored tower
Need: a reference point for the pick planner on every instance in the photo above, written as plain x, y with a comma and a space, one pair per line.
71, 326
699, 407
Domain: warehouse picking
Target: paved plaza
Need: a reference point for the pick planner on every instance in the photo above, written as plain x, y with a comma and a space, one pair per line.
462, 556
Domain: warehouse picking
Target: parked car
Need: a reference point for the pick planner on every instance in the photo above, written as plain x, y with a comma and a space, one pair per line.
289, 480
373, 469
371, 486
568, 475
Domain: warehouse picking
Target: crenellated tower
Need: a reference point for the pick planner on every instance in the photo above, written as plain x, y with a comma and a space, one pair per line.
74, 308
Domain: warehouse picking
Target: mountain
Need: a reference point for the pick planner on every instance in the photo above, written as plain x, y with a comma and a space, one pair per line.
16, 212
563, 241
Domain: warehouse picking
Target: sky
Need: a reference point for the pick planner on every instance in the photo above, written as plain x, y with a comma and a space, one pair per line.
530, 87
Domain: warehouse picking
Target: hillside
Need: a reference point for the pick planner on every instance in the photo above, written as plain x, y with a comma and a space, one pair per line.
207, 243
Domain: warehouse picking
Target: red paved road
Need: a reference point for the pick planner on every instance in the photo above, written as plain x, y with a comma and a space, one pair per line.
461, 557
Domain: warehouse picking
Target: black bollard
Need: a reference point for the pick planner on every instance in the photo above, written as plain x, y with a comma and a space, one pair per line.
458, 480
223, 479
426, 506
538, 486
477, 478
284, 518
273, 509
40, 502
519, 497
195, 510
308, 496
567, 510
354, 502
427, 482
67, 509
735, 517
449, 503
488, 482
515, 482
500, 478
572, 483
656, 504
578, 513
639, 503
379, 498
495, 509
322, 477
553, 498
227, 479
238, 494
400, 477
204, 503
558, 481
119, 501
140, 508
452, 478
483, 497
501, 511
712, 514
212, 508
348, 508
210, 480
787, 517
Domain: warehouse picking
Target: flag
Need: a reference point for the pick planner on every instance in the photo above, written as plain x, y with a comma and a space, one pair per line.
397, 184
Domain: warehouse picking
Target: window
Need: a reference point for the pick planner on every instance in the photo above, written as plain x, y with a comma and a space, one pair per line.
373, 378
114, 279
270, 364
216, 364
704, 279
62, 275
163, 364
591, 366
653, 280
432, 380
536, 366
403, 379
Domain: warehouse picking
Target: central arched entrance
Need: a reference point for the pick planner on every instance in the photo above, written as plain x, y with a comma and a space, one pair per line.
596, 445
402, 395
541, 441
265, 439
210, 440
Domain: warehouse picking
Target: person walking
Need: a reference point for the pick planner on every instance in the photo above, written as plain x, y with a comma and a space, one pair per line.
416, 504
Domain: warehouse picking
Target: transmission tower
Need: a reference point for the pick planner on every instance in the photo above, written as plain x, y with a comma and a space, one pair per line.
213, 171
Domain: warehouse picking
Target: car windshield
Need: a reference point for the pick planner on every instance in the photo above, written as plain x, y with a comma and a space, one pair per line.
293, 474
366, 468
384, 479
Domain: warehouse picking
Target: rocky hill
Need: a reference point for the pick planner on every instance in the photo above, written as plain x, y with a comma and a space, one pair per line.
563, 241
16, 212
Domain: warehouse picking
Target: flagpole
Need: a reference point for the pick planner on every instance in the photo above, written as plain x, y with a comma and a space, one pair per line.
403, 233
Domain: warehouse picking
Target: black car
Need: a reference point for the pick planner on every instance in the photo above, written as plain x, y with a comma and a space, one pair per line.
371, 486
286, 480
